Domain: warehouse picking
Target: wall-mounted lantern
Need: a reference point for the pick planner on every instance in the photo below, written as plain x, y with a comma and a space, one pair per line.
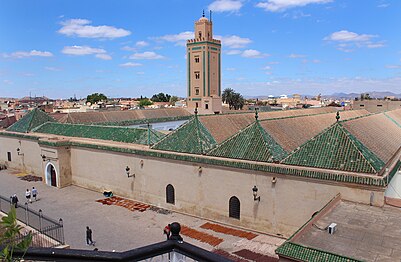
127, 169
255, 193
19, 152
141, 163
200, 170
44, 158
274, 180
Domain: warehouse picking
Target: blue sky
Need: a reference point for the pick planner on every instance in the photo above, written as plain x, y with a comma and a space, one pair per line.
126, 48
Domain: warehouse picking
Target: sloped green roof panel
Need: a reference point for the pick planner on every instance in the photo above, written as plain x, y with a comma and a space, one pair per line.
252, 143
118, 134
302, 253
33, 119
192, 137
335, 148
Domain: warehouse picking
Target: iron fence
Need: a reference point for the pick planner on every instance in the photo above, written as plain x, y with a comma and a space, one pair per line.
50, 232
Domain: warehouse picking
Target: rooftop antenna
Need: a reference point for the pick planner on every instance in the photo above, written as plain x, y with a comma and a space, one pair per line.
203, 15
210, 15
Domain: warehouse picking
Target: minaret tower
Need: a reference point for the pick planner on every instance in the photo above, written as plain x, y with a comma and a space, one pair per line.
204, 69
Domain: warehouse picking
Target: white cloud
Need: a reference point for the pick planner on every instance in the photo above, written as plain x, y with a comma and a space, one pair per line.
146, 55
225, 6
24, 54
393, 66
231, 69
347, 36
49, 68
251, 53
130, 64
281, 5
233, 52
296, 56
82, 28
8, 82
103, 56
128, 48
142, 43
179, 39
86, 50
233, 41
267, 68
347, 41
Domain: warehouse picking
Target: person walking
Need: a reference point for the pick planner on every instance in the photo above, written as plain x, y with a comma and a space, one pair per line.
89, 240
14, 200
34, 193
28, 196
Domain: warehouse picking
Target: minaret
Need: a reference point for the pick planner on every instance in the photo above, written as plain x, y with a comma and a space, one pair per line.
204, 69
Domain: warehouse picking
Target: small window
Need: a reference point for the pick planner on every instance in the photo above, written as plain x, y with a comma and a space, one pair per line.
200, 34
197, 91
196, 59
361, 105
197, 75
379, 105
9, 156
170, 195
234, 207
196, 105
206, 106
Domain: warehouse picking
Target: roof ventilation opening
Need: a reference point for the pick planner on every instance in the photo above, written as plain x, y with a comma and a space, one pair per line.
332, 228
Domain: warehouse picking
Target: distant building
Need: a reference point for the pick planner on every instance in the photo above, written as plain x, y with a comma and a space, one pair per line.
375, 106
204, 67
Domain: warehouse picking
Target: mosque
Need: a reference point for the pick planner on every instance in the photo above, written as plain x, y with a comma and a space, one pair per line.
267, 171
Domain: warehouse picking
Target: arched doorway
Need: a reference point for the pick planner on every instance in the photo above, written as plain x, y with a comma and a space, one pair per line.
170, 194
234, 207
51, 175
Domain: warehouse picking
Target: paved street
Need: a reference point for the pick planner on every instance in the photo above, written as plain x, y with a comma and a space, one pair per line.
116, 228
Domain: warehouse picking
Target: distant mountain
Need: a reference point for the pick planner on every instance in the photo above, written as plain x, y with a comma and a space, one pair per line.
373, 94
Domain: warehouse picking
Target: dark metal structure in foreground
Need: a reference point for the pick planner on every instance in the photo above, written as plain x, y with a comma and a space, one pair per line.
170, 250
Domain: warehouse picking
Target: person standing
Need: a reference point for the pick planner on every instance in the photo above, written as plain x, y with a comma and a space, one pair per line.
89, 240
167, 231
34, 193
28, 195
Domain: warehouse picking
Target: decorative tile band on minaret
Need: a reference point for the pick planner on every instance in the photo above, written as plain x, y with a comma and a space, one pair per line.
203, 69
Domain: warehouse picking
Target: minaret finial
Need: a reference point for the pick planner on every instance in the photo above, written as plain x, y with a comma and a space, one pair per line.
203, 15
196, 111
256, 114
338, 116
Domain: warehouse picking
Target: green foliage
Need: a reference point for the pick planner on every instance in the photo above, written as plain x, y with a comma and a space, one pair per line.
233, 99
144, 102
96, 97
173, 99
9, 238
161, 97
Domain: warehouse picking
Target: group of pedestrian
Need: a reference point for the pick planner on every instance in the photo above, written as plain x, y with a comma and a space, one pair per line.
29, 195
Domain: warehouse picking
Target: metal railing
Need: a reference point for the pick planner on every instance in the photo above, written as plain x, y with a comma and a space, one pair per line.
50, 233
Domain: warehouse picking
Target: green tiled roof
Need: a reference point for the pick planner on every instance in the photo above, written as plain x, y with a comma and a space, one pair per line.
336, 148
192, 137
31, 120
252, 143
302, 253
119, 134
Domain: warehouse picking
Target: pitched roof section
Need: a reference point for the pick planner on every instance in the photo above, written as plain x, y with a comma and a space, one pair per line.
292, 132
31, 120
120, 134
335, 148
378, 132
252, 143
125, 116
192, 137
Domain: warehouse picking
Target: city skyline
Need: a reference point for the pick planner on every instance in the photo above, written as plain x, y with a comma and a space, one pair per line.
129, 49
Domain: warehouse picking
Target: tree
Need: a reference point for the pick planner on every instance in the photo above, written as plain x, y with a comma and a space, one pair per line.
161, 97
233, 99
173, 99
144, 102
9, 237
96, 97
